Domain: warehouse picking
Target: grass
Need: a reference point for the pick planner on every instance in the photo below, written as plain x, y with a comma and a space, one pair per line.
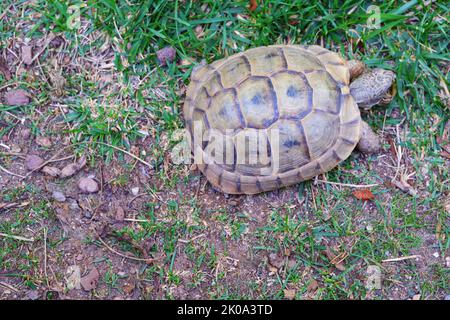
120, 95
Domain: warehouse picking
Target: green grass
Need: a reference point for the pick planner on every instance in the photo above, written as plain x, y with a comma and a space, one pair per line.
143, 97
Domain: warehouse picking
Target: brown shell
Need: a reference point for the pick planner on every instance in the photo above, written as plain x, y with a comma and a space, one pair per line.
300, 91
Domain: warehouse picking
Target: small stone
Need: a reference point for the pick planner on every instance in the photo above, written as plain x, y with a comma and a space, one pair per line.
88, 185
51, 171
87, 214
436, 254
32, 162
59, 196
166, 55
135, 191
447, 297
44, 141
416, 297
69, 170
17, 97
369, 228
447, 262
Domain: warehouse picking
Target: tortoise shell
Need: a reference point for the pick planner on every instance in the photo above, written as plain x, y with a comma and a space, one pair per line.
294, 101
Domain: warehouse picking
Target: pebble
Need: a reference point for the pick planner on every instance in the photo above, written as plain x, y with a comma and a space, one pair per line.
135, 191
59, 196
447, 297
51, 171
436, 254
88, 185
33, 162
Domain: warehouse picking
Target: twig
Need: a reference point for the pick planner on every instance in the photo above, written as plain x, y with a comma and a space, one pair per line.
123, 255
349, 184
8, 286
126, 152
16, 237
135, 220
11, 173
191, 240
402, 258
45, 256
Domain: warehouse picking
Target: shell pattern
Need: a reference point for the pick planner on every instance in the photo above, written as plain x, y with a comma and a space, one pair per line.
293, 101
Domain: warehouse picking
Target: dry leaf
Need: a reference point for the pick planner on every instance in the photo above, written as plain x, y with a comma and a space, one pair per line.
44, 141
166, 55
445, 154
253, 5
289, 294
17, 97
313, 286
405, 187
363, 194
4, 69
90, 281
73, 277
27, 54
120, 213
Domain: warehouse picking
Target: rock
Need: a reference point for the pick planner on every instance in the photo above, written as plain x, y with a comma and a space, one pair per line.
416, 297
135, 191
88, 185
51, 171
69, 170
17, 97
44, 141
59, 196
447, 297
90, 281
166, 55
32, 162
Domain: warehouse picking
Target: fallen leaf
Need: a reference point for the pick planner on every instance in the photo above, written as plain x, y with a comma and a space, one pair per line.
289, 294
90, 281
405, 187
17, 97
445, 154
4, 69
166, 55
363, 194
44, 141
313, 286
253, 5
120, 213
73, 277
27, 54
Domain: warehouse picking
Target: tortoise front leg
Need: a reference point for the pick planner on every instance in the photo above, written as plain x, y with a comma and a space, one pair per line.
369, 141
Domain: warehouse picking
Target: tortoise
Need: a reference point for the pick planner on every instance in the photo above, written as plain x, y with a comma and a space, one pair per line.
274, 116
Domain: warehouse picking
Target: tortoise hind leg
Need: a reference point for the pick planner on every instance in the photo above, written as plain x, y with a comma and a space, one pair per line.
369, 141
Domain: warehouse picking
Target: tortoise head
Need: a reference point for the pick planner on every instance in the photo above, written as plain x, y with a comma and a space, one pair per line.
373, 87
